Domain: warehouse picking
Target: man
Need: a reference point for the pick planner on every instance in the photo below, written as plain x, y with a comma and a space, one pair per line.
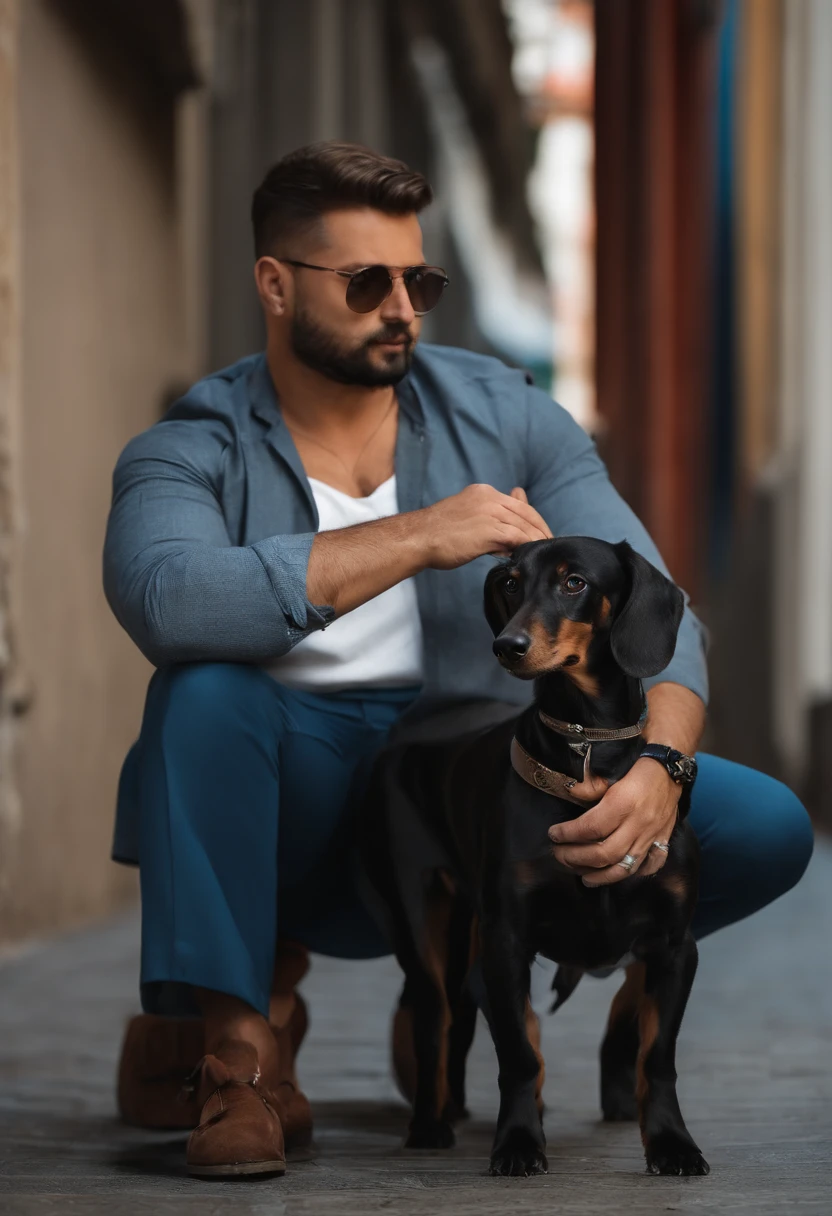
300, 547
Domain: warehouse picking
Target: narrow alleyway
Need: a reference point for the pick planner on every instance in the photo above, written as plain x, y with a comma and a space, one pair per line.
755, 1068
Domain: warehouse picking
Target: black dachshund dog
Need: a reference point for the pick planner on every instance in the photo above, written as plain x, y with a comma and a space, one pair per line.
456, 851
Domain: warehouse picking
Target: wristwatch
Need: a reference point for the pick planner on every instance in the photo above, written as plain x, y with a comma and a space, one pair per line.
682, 768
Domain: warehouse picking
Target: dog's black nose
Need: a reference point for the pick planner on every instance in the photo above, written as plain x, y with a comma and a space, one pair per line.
512, 646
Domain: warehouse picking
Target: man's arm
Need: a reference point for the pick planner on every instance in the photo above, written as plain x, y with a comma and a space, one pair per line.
185, 593
349, 566
675, 718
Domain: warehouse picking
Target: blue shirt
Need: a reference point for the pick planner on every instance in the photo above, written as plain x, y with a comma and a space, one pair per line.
213, 519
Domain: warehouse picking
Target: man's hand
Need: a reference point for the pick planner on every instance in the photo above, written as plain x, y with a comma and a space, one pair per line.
477, 521
637, 810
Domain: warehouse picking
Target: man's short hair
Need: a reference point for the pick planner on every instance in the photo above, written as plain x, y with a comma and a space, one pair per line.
329, 176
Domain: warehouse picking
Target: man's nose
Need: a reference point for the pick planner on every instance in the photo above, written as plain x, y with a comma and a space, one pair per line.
512, 646
397, 306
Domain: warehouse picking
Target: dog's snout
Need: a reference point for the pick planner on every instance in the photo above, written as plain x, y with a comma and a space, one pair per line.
512, 646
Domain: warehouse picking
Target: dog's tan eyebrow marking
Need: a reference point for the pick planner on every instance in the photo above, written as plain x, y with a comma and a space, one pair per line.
562, 568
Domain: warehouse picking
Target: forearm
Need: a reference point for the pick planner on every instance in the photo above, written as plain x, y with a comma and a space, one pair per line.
349, 566
675, 717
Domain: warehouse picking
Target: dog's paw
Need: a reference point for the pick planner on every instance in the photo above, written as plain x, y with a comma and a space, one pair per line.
518, 1155
670, 1153
430, 1133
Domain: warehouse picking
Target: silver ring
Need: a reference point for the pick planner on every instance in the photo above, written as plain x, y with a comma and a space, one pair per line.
659, 844
627, 862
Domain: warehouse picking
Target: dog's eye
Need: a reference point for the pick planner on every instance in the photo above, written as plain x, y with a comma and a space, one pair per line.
575, 583
511, 586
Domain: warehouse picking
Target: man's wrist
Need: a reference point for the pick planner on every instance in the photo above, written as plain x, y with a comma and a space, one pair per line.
649, 766
416, 540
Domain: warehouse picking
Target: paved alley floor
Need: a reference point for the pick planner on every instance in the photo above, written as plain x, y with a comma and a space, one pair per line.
755, 1082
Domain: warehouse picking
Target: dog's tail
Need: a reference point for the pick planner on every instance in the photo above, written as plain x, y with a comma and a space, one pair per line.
567, 978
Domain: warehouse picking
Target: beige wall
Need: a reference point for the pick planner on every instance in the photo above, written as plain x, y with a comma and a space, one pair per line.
102, 340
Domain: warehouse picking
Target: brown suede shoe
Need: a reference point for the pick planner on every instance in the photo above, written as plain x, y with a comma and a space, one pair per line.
239, 1130
156, 1057
159, 1053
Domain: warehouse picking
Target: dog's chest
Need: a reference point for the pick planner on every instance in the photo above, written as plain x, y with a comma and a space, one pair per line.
588, 928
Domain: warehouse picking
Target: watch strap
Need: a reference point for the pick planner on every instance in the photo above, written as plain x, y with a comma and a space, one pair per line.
681, 768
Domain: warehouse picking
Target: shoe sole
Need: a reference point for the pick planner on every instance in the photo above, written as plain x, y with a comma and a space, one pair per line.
237, 1169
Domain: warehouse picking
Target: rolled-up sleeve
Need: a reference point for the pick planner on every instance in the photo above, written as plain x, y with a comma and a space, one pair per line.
176, 583
569, 485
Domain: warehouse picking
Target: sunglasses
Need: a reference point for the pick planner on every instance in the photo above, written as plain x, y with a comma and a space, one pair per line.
370, 286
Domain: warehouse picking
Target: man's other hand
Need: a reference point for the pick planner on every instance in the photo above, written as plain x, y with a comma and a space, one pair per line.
637, 810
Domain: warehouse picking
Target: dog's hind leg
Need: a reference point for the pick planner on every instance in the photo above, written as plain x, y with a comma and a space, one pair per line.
423, 957
619, 1050
668, 1145
462, 1003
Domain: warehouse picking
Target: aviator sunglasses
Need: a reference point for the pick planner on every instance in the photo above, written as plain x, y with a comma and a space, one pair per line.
370, 286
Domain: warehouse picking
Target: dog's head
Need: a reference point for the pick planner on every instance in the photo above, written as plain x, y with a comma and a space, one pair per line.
557, 603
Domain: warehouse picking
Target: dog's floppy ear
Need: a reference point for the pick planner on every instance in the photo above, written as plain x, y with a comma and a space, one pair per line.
496, 612
643, 636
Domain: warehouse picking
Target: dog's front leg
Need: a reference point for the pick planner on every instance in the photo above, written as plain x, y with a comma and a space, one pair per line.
668, 1145
519, 1145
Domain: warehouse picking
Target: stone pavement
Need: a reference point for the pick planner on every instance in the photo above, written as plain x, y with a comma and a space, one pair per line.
755, 1067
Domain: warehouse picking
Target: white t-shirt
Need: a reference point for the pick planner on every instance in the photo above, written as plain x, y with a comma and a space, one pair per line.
378, 644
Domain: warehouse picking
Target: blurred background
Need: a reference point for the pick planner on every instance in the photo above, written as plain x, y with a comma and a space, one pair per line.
634, 201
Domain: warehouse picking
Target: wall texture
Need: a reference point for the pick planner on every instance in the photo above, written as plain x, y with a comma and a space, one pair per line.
9, 419
101, 342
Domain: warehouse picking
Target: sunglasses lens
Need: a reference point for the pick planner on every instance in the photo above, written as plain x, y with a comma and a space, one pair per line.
425, 285
369, 288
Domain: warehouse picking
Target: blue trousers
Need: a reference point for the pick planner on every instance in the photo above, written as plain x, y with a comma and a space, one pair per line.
245, 792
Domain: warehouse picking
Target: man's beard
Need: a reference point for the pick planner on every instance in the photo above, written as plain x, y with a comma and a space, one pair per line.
324, 354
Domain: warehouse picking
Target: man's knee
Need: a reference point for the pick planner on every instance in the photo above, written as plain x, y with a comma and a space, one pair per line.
784, 838
772, 835
756, 834
206, 694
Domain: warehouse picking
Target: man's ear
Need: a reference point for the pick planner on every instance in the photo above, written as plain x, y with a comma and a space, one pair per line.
270, 278
496, 612
643, 636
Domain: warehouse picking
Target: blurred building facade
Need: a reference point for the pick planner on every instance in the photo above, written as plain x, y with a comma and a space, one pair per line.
714, 360
91, 335
779, 53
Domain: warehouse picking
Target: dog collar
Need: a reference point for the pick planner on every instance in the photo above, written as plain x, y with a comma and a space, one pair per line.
592, 734
545, 779
560, 785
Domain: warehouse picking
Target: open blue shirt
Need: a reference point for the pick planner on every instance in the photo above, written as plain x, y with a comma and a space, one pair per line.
212, 518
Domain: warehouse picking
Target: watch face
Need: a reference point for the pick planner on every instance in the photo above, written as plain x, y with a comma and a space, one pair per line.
682, 768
